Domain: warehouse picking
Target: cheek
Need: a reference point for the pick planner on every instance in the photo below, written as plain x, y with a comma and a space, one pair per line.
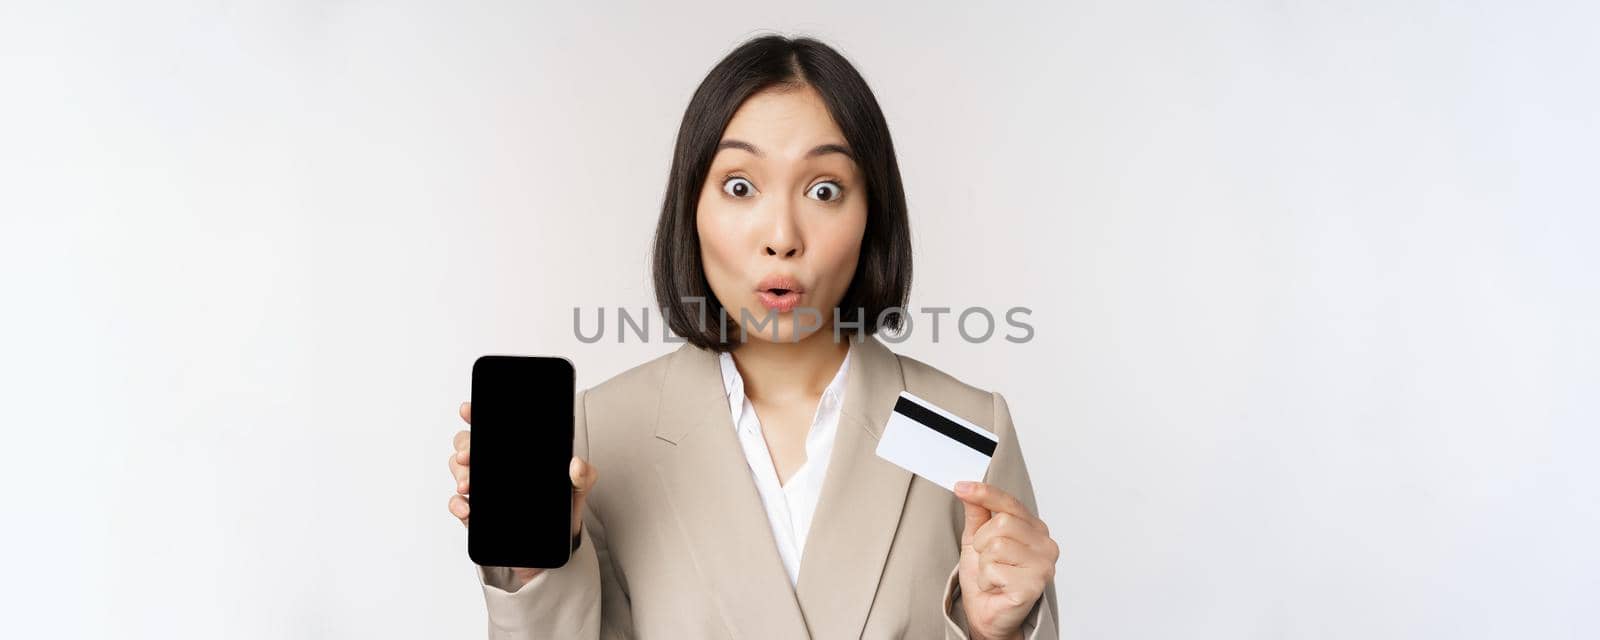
718, 240
844, 251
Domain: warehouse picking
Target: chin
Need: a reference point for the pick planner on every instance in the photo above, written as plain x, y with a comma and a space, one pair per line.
786, 330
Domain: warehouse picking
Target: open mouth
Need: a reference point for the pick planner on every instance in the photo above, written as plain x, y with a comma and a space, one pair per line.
779, 299
780, 292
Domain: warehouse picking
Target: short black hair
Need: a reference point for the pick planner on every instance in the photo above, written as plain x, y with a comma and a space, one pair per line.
876, 297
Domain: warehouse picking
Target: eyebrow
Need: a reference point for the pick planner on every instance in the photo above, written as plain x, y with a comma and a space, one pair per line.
819, 150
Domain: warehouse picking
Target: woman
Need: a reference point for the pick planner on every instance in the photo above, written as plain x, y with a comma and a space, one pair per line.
782, 247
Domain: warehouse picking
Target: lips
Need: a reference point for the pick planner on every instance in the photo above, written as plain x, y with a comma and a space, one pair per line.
780, 293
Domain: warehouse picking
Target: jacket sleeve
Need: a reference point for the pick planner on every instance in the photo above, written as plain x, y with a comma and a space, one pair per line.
581, 600
1007, 471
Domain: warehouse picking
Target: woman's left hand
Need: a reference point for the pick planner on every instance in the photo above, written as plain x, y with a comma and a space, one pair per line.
1007, 558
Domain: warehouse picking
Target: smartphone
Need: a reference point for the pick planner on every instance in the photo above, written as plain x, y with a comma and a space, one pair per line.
521, 493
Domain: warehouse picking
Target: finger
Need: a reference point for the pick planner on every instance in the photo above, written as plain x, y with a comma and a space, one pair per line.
993, 498
1037, 554
1017, 585
462, 474
460, 508
988, 579
466, 411
1005, 525
583, 476
1006, 551
976, 518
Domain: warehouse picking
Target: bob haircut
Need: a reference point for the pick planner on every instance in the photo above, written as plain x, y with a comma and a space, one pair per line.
877, 294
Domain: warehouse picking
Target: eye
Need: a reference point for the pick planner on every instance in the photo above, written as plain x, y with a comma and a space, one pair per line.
738, 187
826, 191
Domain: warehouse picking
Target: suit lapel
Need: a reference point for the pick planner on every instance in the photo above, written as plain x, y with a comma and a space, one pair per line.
714, 499
859, 509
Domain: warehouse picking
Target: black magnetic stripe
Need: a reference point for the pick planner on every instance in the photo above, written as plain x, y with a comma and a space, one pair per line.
946, 426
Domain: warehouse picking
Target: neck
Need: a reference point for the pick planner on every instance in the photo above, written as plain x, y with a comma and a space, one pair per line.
782, 370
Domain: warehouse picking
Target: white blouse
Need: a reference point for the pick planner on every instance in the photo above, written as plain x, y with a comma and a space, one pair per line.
789, 506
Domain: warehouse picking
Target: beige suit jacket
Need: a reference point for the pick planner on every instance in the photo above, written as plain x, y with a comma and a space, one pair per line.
676, 542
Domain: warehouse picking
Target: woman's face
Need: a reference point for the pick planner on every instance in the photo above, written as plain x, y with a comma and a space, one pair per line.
781, 216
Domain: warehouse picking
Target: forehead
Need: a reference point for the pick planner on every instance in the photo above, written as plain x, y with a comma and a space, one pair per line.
787, 121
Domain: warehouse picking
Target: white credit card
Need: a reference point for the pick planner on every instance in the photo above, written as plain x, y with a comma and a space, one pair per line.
934, 443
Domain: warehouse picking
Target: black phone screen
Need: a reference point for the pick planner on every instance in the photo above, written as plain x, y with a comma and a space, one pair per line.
521, 493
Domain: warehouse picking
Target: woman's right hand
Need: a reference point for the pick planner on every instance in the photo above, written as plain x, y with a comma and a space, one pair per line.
582, 473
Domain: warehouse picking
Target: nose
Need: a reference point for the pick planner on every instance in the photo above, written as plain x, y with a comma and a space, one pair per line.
783, 238
786, 250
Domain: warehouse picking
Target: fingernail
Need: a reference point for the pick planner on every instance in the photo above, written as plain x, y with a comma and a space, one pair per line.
963, 486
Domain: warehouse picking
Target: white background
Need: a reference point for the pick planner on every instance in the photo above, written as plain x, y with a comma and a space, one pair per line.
1314, 289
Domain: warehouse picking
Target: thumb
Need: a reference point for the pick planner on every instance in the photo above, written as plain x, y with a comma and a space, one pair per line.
583, 477
976, 516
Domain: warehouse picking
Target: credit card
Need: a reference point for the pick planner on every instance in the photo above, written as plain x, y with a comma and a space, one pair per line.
935, 444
